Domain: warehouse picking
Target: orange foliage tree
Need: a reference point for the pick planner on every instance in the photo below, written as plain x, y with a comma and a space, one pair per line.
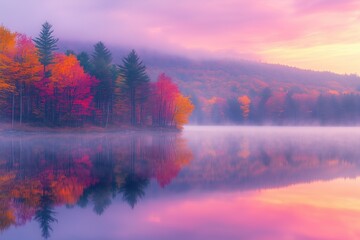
7, 51
19, 67
245, 105
26, 71
169, 107
183, 109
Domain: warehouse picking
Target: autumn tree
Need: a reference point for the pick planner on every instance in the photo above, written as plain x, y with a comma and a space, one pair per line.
7, 52
163, 104
245, 105
20, 68
26, 71
183, 110
67, 93
136, 80
46, 44
169, 107
7, 40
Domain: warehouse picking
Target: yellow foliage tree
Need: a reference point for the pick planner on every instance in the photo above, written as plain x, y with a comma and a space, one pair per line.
183, 109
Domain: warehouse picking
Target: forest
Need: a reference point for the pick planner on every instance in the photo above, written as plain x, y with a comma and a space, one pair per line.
279, 108
40, 86
240, 92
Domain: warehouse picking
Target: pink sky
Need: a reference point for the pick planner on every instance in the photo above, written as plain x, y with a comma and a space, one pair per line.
317, 34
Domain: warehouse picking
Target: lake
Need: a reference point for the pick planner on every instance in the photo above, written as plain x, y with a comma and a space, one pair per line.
203, 183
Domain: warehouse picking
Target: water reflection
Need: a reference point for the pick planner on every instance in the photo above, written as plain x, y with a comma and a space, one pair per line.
258, 158
39, 174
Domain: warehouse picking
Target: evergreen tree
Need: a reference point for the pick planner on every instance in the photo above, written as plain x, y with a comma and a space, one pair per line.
70, 52
101, 60
84, 60
133, 72
102, 70
46, 45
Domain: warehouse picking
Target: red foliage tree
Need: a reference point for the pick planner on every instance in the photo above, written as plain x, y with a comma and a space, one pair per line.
163, 102
66, 95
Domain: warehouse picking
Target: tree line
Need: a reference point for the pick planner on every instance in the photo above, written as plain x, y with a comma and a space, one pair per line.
267, 106
41, 86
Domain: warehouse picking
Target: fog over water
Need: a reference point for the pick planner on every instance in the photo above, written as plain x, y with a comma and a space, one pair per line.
205, 182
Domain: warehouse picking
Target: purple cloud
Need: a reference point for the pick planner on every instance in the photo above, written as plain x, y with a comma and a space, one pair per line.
222, 28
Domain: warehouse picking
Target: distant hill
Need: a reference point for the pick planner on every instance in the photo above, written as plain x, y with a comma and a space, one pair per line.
248, 92
225, 78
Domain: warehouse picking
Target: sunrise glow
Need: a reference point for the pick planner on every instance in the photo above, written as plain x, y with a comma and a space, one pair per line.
318, 35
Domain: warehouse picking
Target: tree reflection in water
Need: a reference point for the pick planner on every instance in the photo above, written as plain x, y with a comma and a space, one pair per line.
45, 213
39, 173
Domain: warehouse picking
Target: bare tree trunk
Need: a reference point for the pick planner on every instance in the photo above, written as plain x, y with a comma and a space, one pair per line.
13, 110
107, 114
21, 103
28, 103
133, 107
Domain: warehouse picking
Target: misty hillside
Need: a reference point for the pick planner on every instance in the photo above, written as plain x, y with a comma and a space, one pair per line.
233, 78
225, 78
246, 92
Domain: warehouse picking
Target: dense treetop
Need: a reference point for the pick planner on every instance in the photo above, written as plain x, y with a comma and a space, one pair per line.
41, 86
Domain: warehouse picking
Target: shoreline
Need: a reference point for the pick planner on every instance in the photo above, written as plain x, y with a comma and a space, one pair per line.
7, 128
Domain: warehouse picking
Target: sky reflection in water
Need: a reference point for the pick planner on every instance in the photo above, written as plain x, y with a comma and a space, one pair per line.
213, 183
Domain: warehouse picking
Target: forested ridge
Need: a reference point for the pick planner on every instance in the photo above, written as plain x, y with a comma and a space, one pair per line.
41, 86
275, 94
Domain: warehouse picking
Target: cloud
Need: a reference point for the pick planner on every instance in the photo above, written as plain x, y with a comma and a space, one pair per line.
238, 28
316, 6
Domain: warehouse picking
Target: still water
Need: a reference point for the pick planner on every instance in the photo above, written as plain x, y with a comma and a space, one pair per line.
203, 183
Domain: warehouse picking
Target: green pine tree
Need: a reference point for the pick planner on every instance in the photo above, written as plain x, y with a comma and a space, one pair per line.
46, 44
101, 68
133, 72
84, 60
